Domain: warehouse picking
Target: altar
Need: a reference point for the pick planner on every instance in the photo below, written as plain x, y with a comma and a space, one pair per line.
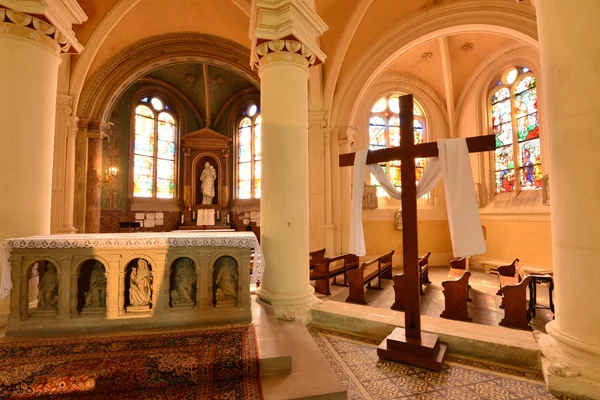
98, 282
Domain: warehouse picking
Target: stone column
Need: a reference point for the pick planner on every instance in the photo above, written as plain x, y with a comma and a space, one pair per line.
96, 134
63, 111
571, 350
72, 130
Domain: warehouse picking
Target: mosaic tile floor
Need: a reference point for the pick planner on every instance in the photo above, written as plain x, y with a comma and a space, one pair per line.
355, 362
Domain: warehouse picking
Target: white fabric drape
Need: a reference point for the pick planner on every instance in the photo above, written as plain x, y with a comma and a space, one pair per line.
463, 216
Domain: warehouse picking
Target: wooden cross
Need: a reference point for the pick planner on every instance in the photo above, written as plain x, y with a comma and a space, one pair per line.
411, 339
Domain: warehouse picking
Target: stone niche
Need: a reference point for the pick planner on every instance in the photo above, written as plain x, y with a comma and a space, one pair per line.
135, 286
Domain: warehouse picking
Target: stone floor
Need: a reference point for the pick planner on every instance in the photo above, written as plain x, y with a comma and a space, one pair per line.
354, 360
484, 309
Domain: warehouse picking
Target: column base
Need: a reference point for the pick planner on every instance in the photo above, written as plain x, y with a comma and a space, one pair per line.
291, 307
569, 366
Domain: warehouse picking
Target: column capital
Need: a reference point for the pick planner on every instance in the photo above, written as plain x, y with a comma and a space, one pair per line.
347, 135
72, 127
293, 22
96, 129
52, 19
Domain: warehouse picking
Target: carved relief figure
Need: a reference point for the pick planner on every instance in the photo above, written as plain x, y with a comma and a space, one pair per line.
208, 177
140, 289
226, 280
96, 296
48, 289
183, 283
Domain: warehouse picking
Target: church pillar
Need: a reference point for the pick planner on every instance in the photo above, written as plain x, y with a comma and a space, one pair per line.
283, 69
72, 130
96, 134
30, 48
571, 349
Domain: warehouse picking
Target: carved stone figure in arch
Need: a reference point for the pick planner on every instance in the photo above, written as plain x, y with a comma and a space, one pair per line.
33, 284
183, 282
91, 286
225, 281
140, 285
48, 289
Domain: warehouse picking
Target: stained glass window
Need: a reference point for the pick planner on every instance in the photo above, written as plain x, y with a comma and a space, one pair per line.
384, 131
154, 150
513, 107
249, 152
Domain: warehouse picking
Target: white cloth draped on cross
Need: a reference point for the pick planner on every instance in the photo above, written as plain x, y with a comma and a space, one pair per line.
463, 215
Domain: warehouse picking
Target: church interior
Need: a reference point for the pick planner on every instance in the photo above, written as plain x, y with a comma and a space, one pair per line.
209, 199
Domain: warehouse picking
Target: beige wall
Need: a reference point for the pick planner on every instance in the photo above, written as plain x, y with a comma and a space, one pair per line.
433, 235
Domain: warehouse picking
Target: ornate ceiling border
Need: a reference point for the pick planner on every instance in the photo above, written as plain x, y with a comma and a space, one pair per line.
101, 91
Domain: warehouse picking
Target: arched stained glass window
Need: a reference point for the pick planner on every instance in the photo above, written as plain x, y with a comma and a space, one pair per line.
514, 116
154, 150
384, 131
249, 165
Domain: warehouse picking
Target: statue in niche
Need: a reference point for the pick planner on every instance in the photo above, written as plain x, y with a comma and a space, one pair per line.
96, 296
48, 289
183, 283
398, 220
208, 177
140, 289
225, 280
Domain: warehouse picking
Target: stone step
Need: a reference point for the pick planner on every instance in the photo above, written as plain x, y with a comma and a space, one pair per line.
273, 353
311, 376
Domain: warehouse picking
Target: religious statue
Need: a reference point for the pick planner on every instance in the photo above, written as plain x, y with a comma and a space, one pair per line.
48, 289
96, 296
183, 285
398, 220
208, 177
140, 289
226, 282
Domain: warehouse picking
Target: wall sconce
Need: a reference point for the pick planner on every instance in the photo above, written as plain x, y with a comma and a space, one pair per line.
109, 174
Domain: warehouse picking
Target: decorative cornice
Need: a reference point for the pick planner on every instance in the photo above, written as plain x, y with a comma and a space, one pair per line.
296, 20
17, 24
61, 15
293, 51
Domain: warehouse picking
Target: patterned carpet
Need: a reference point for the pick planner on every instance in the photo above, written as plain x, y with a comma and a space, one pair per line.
354, 360
199, 364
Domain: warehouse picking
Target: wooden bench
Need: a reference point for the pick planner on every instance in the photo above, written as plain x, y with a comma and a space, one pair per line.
516, 307
399, 282
456, 294
380, 267
315, 257
326, 268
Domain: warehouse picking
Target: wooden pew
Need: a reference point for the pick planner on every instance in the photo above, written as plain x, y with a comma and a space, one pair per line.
315, 256
380, 267
458, 263
326, 268
516, 307
508, 275
399, 283
456, 295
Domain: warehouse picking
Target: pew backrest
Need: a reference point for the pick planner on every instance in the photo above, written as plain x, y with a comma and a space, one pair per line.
509, 270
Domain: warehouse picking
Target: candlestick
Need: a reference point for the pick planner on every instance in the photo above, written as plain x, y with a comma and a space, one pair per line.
218, 215
194, 215
182, 219
227, 218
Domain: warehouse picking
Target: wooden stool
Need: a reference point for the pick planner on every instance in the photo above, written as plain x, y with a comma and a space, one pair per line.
535, 279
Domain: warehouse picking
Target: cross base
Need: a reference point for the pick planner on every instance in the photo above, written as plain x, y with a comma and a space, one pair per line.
427, 352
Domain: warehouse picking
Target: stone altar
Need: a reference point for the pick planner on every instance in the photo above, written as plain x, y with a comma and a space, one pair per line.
140, 280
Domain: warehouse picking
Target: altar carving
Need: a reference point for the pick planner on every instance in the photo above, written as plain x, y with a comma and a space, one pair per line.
98, 282
140, 286
183, 283
225, 281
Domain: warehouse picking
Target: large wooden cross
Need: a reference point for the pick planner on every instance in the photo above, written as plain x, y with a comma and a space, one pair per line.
410, 345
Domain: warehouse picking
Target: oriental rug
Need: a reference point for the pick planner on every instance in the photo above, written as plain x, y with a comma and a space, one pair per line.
354, 360
198, 364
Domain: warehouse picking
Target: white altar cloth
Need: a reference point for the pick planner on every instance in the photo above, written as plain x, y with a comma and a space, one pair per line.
129, 240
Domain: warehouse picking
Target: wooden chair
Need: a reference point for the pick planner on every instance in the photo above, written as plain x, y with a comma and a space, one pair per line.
508, 275
516, 307
380, 267
456, 295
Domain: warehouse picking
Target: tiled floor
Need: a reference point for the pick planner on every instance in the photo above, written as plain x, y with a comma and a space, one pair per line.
355, 362
484, 309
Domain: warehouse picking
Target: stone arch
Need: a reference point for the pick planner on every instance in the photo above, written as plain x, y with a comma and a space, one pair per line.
26, 276
101, 90
503, 19
82, 280
125, 281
